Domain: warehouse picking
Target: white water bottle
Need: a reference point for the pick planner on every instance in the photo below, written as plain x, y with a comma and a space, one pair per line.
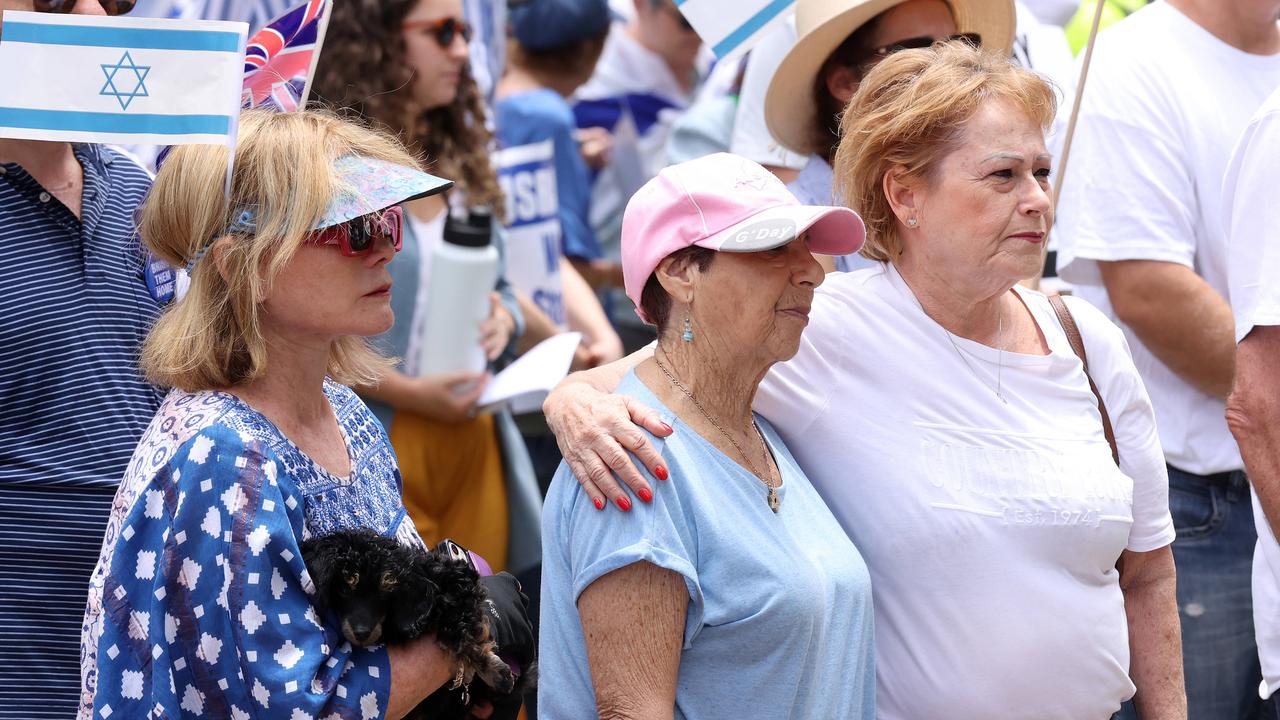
464, 268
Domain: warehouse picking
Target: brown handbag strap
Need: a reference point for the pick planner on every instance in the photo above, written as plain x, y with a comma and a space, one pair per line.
1077, 344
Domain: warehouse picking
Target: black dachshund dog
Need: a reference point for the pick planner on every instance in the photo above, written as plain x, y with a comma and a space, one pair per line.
381, 591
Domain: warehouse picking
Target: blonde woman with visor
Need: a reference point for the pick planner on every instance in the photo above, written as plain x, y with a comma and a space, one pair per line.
945, 418
200, 603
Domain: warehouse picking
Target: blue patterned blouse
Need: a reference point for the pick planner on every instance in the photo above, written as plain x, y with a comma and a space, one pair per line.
200, 605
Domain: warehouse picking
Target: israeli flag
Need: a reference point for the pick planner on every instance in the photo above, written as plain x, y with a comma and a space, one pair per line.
731, 27
83, 78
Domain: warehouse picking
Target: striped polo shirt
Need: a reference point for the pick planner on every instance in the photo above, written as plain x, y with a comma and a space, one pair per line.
74, 308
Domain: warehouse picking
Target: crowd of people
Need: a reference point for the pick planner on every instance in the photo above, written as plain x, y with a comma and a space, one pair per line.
877, 412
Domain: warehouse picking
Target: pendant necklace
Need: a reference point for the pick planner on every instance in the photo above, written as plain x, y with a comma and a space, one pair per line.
999, 388
775, 502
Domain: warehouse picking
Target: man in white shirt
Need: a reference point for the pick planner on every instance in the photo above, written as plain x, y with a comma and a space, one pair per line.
1171, 88
1252, 224
645, 79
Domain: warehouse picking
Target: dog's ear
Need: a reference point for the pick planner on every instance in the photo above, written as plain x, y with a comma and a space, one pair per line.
325, 558
390, 580
414, 599
427, 594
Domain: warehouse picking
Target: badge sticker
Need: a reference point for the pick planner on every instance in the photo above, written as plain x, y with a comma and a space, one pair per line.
161, 280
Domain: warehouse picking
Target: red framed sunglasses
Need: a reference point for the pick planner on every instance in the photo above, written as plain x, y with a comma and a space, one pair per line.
356, 237
112, 7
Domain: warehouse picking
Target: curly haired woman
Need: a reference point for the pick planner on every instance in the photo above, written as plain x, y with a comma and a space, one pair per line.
403, 64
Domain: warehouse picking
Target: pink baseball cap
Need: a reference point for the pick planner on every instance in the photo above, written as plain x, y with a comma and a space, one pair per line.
726, 203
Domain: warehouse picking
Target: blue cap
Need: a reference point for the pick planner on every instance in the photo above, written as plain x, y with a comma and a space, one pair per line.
552, 24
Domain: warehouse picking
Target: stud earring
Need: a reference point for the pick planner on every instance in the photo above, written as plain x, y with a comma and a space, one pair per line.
687, 336
911, 222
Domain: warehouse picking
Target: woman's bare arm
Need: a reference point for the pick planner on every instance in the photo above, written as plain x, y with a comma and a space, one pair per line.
418, 669
633, 620
1155, 646
447, 397
600, 273
1253, 414
538, 326
585, 314
596, 429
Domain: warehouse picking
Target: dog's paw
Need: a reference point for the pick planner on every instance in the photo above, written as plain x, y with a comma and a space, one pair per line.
496, 674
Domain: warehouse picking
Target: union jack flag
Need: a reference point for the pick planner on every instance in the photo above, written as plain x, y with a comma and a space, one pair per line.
280, 58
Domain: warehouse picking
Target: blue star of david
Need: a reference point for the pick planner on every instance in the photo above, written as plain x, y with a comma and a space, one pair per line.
124, 97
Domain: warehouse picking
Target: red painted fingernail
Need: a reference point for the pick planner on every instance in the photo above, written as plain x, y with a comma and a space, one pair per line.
645, 494
660, 472
666, 427
598, 502
623, 503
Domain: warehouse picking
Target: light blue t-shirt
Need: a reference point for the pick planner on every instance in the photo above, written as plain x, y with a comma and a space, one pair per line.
779, 621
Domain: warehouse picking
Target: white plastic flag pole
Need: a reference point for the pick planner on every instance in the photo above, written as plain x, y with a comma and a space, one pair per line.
233, 137
315, 56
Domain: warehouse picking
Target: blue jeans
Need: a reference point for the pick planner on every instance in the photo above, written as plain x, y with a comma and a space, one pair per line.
1214, 557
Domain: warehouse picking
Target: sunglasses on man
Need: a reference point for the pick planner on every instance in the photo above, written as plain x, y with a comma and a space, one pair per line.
357, 237
111, 7
444, 29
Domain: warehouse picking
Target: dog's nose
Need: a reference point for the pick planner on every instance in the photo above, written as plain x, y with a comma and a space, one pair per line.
359, 633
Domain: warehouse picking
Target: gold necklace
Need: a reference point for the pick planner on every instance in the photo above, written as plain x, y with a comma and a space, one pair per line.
775, 502
999, 388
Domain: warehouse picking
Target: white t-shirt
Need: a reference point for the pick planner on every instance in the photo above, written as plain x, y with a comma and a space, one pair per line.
1054, 12
1251, 219
1164, 105
627, 68
429, 233
991, 530
751, 138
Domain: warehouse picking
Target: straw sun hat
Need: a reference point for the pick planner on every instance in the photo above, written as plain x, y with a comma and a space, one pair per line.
790, 108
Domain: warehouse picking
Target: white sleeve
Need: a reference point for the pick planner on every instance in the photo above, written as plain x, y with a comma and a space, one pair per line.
1134, 423
751, 138
797, 391
1128, 192
1252, 223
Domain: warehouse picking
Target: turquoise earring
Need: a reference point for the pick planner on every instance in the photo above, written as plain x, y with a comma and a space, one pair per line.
687, 336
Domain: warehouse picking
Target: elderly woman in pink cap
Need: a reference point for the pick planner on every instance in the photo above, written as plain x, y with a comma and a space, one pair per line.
733, 593
1010, 500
